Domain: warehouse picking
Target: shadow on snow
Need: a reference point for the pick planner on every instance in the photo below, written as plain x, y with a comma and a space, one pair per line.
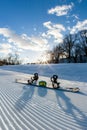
24, 98
27, 94
71, 109
42, 92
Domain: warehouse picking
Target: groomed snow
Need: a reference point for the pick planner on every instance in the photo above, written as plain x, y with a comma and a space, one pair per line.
25, 107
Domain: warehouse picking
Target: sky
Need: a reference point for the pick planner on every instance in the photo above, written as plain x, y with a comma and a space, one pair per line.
29, 28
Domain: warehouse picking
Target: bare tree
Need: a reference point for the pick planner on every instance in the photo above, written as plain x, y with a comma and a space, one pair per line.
12, 59
58, 52
80, 46
83, 41
67, 46
76, 52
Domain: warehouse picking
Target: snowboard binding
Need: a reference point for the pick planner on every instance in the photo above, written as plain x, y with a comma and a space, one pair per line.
54, 80
33, 79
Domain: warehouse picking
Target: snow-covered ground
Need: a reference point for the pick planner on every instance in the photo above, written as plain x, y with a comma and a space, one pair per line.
25, 107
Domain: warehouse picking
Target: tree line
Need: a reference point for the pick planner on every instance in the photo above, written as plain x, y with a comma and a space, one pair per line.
72, 49
11, 59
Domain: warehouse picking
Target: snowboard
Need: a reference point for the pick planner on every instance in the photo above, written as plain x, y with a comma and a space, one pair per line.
49, 86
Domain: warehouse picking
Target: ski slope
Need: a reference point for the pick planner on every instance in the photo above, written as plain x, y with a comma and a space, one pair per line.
25, 107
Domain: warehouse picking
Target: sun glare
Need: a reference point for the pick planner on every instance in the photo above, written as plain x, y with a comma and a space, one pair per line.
43, 59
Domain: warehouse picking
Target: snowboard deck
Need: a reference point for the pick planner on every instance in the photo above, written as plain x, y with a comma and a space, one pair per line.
49, 86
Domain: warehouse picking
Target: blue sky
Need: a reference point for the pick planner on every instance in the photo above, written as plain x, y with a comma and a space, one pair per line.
30, 27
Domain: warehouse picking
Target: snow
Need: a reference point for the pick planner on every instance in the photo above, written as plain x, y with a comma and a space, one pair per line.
25, 107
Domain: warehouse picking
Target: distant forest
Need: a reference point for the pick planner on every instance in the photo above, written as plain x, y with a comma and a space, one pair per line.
73, 49
11, 59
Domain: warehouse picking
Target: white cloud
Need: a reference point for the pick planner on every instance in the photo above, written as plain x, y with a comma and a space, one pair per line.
23, 41
68, 28
55, 33
25, 37
59, 40
51, 26
38, 40
79, 26
5, 48
75, 16
60, 10
48, 24
54, 30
